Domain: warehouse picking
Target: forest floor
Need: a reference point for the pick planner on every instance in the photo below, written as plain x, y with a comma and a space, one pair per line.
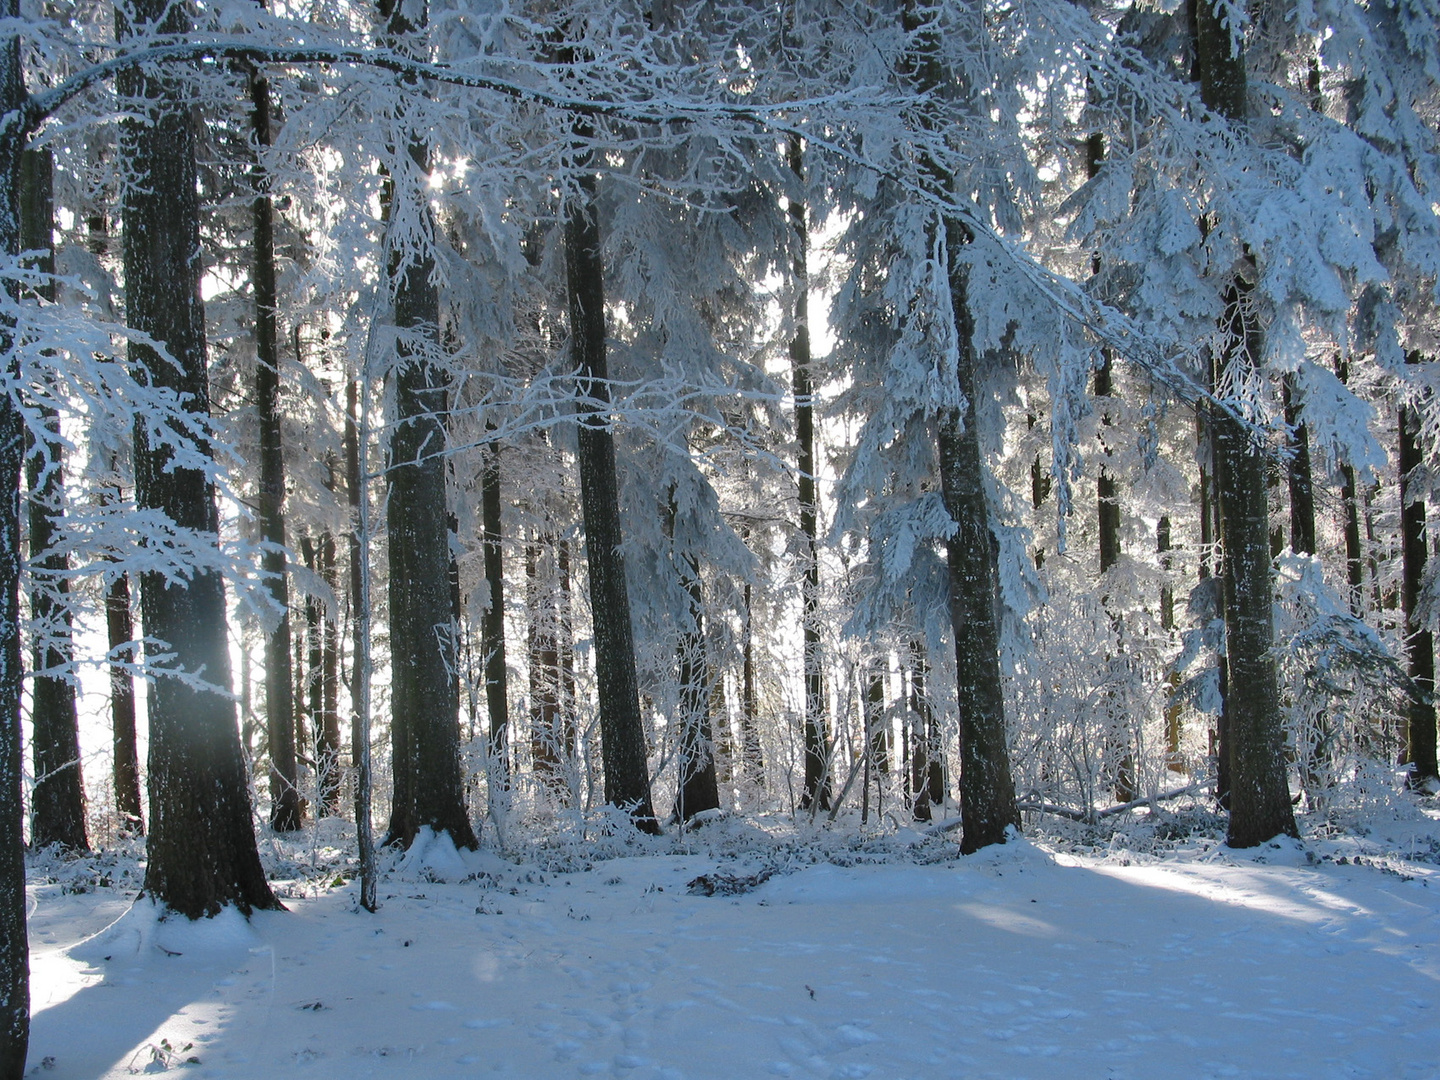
1151, 951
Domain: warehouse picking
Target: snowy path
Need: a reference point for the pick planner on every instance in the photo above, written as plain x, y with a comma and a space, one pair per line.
1016, 964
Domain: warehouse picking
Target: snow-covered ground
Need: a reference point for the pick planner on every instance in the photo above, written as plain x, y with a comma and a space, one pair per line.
886, 958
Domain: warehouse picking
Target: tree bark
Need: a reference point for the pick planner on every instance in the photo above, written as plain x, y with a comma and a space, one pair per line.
492, 627
286, 808
815, 736
1259, 791
425, 700
1420, 730
547, 741
201, 848
927, 775
120, 632
14, 943
58, 797
622, 731
1349, 498
327, 734
987, 789
698, 786
751, 752
120, 636
355, 430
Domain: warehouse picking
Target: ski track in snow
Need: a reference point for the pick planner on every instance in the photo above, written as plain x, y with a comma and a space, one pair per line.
1011, 964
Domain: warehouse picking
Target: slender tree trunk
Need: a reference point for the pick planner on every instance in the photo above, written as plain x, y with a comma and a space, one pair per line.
815, 736
58, 797
14, 942
751, 752
120, 632
622, 731
492, 628
202, 853
698, 787
1354, 553
327, 737
1259, 792
927, 775
987, 789
355, 443
120, 636
875, 723
1420, 739
286, 808
546, 738
1301, 482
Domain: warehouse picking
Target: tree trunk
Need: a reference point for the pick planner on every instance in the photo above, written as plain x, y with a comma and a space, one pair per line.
356, 430
546, 738
987, 789
927, 775
1354, 553
327, 733
492, 628
815, 736
286, 808
120, 636
1420, 738
751, 752
1301, 482
14, 943
202, 853
425, 701
120, 631
698, 787
58, 797
1259, 792
622, 731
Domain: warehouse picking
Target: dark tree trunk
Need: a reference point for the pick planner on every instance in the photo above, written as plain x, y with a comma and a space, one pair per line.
1039, 491
547, 740
622, 731
1354, 553
927, 769
327, 724
492, 628
286, 808
816, 737
1301, 482
987, 792
752, 755
425, 703
698, 786
875, 722
14, 942
987, 789
425, 699
360, 672
120, 636
1259, 792
1209, 521
1420, 738
58, 797
202, 853
120, 631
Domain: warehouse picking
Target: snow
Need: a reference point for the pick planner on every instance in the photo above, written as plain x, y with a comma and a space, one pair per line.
886, 957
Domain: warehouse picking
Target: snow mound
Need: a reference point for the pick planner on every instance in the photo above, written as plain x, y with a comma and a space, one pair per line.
149, 931
433, 857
